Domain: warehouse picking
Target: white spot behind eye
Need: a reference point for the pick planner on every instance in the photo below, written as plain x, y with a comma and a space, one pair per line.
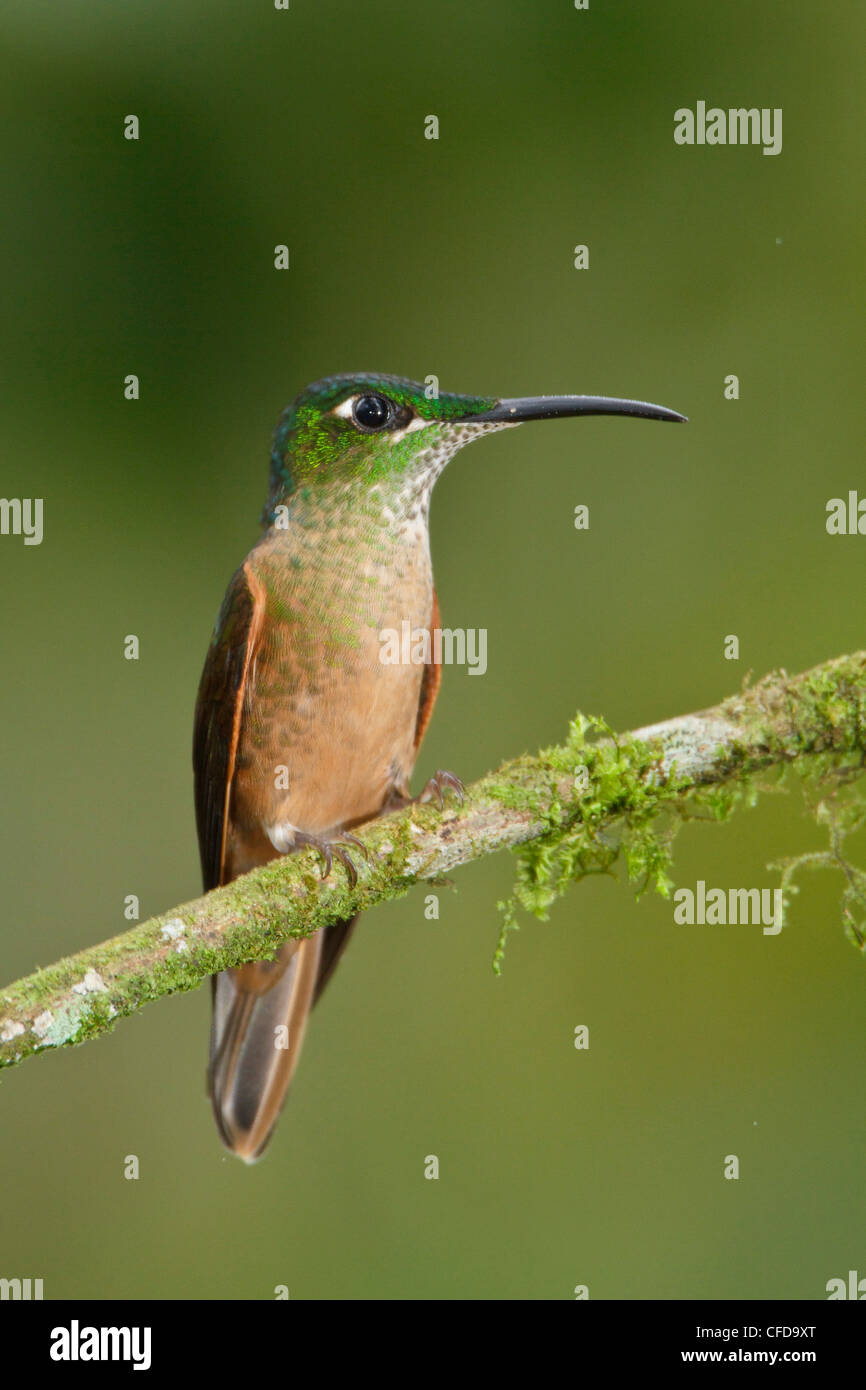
415, 424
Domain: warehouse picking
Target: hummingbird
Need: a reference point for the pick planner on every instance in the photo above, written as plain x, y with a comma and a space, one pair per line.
302, 732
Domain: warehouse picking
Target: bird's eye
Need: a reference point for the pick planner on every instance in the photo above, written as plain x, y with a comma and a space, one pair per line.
372, 412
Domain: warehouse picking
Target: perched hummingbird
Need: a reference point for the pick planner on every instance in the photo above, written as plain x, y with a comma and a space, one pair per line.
301, 730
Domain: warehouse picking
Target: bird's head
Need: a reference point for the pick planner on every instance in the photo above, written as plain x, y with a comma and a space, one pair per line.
372, 430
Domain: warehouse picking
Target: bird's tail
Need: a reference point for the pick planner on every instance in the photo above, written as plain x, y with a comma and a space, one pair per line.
260, 1013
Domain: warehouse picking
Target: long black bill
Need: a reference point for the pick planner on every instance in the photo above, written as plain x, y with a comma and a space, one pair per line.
520, 408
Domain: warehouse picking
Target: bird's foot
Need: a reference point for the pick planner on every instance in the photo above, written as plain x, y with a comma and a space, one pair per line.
438, 784
331, 848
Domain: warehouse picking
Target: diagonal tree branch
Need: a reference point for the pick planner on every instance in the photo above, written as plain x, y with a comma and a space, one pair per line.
590, 792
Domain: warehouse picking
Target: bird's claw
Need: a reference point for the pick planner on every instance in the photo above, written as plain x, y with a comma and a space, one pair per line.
438, 784
333, 849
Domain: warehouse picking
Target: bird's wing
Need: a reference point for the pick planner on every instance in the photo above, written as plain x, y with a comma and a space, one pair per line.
255, 1003
218, 715
430, 681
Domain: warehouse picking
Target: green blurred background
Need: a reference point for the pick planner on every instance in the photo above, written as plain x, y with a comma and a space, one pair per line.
454, 257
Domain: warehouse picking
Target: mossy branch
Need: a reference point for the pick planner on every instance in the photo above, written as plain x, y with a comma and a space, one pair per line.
573, 809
